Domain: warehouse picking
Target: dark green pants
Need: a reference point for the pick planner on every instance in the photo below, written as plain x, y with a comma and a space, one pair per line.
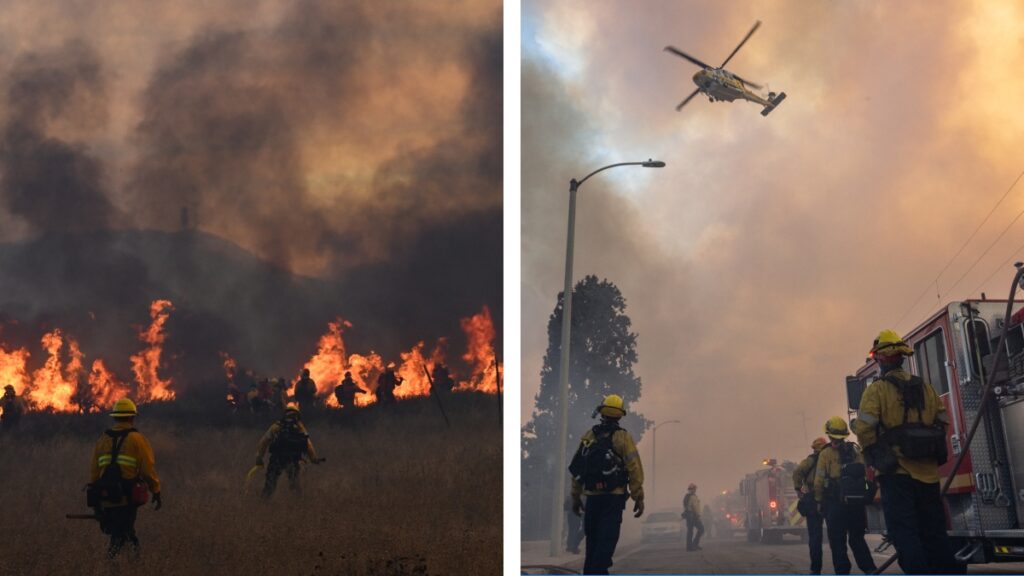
601, 522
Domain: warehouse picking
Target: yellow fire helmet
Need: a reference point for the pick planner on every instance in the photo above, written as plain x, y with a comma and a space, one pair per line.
819, 443
612, 406
292, 410
836, 427
124, 408
889, 343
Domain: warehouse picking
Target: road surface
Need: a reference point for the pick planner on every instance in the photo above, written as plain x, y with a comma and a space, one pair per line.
736, 556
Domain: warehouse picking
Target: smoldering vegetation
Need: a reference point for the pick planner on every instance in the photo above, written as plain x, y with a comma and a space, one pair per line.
399, 494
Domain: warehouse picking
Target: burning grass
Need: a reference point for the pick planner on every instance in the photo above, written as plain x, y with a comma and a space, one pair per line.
399, 494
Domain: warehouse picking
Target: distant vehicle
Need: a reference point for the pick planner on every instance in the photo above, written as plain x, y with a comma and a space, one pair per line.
721, 85
662, 526
771, 504
954, 350
729, 514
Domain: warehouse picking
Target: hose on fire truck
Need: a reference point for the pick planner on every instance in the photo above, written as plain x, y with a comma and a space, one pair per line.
986, 397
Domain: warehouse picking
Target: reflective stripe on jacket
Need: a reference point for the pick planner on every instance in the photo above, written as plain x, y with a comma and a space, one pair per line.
135, 457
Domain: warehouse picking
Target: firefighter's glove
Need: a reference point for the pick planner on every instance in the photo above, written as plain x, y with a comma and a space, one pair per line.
158, 501
638, 508
577, 506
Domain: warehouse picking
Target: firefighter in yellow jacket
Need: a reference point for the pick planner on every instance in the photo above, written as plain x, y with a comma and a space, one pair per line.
907, 464
607, 470
288, 442
117, 492
841, 490
692, 515
803, 483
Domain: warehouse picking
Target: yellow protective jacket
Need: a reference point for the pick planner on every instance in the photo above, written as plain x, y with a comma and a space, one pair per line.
829, 467
135, 458
625, 448
804, 473
883, 404
271, 435
691, 504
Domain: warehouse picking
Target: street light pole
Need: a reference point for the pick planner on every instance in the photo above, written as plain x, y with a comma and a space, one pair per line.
558, 494
654, 458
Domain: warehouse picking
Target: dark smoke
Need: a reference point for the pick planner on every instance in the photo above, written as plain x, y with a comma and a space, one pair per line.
224, 130
54, 184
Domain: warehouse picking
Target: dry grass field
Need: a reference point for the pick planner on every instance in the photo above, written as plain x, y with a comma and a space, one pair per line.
399, 494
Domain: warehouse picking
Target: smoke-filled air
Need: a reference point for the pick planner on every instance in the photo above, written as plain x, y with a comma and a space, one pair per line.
758, 266
221, 217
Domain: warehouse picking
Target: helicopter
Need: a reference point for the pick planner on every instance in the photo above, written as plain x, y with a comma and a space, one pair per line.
721, 85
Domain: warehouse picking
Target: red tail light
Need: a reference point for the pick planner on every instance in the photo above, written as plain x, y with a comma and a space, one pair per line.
773, 504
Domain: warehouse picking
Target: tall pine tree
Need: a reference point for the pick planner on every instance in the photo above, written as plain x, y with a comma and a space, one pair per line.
602, 351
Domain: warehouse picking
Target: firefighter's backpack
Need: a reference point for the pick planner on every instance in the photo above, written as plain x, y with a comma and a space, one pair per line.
853, 482
290, 440
596, 465
111, 487
917, 440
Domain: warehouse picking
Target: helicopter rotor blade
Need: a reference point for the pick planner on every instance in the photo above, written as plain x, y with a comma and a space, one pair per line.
742, 42
688, 98
751, 84
682, 54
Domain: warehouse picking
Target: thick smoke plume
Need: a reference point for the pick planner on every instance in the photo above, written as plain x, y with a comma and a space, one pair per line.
266, 166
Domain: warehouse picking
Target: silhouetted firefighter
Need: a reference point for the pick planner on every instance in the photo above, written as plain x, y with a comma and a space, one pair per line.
386, 384
305, 390
13, 407
345, 393
443, 382
288, 442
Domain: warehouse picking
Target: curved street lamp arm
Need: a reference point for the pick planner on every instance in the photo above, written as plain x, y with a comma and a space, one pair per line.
579, 182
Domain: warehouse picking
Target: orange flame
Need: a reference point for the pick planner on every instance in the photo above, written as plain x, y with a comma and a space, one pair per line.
415, 381
328, 366
480, 355
12, 369
146, 363
105, 386
230, 366
53, 385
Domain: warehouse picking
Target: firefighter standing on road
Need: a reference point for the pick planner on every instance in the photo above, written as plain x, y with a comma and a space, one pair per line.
605, 465
691, 512
126, 447
803, 482
907, 464
13, 407
288, 442
840, 487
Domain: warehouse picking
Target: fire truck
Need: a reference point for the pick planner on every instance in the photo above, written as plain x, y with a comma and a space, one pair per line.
729, 514
771, 504
954, 351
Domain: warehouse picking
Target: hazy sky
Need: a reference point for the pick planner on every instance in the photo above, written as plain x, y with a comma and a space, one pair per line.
761, 262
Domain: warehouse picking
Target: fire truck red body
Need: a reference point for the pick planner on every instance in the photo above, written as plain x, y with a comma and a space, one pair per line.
954, 351
771, 504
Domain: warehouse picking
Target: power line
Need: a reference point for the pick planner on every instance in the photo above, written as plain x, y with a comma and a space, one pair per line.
958, 252
1013, 254
996, 241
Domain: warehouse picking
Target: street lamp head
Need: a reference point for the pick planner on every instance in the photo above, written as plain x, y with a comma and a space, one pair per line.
654, 164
